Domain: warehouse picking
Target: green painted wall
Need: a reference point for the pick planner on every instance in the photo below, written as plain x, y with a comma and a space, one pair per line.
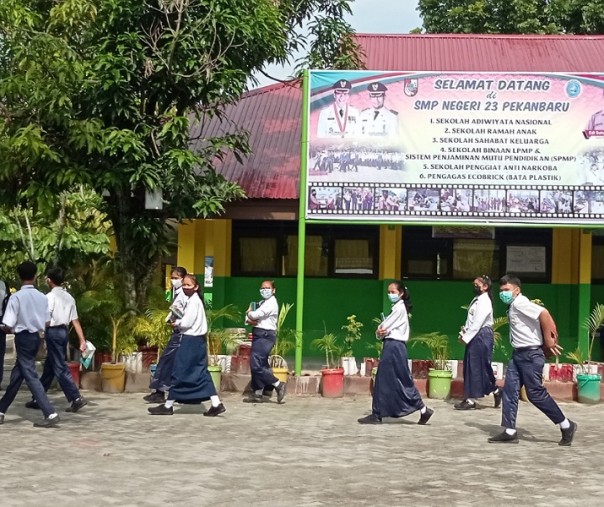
436, 307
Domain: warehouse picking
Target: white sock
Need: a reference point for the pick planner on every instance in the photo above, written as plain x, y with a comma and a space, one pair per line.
53, 415
564, 425
1, 413
259, 392
510, 431
276, 384
169, 403
215, 400
423, 409
471, 402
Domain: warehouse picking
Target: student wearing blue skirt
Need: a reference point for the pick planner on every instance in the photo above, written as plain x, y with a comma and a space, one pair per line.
477, 335
394, 392
191, 381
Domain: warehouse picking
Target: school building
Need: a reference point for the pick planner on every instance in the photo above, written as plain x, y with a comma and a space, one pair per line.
348, 267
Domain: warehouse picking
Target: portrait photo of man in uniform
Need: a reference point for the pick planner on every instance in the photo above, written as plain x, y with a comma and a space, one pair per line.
596, 122
339, 119
378, 120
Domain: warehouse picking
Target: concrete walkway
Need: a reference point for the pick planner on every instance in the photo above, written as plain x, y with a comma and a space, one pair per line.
309, 451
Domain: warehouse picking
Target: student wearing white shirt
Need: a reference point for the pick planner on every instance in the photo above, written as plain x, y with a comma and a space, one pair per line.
62, 309
527, 321
162, 378
477, 336
191, 381
4, 296
264, 322
394, 392
26, 316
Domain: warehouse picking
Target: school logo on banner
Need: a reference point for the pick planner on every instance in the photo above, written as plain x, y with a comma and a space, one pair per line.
411, 87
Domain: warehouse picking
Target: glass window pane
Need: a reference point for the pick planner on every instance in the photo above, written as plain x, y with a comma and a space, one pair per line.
316, 261
353, 256
472, 258
597, 262
258, 255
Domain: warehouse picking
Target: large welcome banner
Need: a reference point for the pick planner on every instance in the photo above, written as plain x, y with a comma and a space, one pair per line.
456, 147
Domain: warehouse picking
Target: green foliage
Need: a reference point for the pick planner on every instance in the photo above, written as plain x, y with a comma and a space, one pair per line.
353, 333
438, 345
513, 17
113, 95
285, 338
592, 324
220, 336
329, 344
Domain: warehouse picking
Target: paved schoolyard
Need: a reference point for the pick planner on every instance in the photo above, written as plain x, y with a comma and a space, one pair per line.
309, 451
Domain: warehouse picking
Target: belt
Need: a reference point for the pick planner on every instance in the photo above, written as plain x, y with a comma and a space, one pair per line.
64, 326
525, 349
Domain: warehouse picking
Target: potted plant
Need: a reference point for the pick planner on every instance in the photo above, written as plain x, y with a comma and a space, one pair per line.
440, 375
332, 376
219, 337
284, 343
588, 382
352, 330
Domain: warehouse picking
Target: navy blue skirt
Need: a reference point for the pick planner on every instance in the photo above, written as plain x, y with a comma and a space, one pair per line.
191, 380
478, 377
394, 392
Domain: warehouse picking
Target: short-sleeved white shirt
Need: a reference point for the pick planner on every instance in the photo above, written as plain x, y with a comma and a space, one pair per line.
27, 310
61, 306
525, 328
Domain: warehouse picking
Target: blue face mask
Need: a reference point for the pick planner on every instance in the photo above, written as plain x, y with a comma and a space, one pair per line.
266, 293
506, 296
394, 297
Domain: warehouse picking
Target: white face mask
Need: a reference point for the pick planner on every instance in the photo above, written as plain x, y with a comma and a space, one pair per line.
266, 293
176, 283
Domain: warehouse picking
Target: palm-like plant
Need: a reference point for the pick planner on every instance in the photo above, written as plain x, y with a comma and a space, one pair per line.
328, 343
218, 336
285, 338
438, 344
593, 323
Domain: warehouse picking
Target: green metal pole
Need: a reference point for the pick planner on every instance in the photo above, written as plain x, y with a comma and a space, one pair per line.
302, 224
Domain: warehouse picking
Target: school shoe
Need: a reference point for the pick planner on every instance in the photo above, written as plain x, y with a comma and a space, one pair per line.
156, 397
568, 434
504, 438
2, 419
160, 410
32, 404
214, 411
497, 395
47, 422
425, 417
370, 419
76, 405
281, 388
465, 405
255, 398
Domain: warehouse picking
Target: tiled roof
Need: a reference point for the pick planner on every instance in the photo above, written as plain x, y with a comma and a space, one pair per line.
272, 114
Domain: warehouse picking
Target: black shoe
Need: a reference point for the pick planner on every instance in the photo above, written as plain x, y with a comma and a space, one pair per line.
47, 422
156, 397
465, 405
214, 411
160, 410
504, 438
1, 419
370, 419
281, 388
76, 405
32, 404
425, 417
568, 434
255, 398
497, 395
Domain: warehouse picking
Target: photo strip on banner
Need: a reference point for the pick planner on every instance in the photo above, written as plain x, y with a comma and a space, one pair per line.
455, 147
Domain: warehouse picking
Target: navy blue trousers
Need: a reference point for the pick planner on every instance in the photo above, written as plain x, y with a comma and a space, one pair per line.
478, 377
394, 392
526, 369
162, 378
55, 364
262, 344
26, 345
2, 354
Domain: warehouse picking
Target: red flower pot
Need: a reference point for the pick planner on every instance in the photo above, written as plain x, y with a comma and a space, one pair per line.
332, 382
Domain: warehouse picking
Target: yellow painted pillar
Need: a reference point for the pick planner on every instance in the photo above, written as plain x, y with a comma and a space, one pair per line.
390, 252
191, 254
